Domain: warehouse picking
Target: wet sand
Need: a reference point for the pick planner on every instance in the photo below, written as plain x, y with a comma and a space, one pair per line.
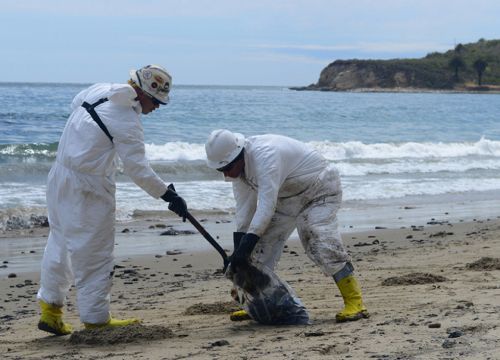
433, 292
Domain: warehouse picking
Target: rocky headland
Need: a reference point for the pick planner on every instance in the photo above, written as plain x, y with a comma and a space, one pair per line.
469, 67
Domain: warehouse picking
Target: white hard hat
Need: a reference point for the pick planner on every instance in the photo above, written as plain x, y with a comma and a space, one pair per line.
153, 80
222, 147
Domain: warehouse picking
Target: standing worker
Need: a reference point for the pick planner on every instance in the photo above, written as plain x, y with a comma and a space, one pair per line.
105, 122
280, 184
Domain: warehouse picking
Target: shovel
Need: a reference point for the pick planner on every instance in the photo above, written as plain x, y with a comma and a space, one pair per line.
206, 235
209, 238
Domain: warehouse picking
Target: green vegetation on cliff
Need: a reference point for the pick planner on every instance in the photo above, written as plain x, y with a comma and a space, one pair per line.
464, 67
487, 51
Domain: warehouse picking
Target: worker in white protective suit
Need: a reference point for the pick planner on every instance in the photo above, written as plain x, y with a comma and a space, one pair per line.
280, 184
104, 122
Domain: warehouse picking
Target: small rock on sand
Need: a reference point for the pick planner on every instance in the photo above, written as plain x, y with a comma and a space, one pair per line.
173, 252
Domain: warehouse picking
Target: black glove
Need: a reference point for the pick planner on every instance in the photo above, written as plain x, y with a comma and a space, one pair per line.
242, 253
237, 238
176, 203
236, 241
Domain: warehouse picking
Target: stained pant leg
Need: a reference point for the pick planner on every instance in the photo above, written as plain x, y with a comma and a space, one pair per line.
269, 248
318, 232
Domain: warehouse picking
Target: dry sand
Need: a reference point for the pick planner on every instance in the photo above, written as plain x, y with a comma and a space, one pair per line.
431, 291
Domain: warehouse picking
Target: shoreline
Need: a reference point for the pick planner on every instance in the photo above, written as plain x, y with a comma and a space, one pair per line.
141, 234
184, 292
399, 90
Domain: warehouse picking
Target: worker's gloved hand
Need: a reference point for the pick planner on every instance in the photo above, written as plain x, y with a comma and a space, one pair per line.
236, 242
237, 238
176, 203
245, 248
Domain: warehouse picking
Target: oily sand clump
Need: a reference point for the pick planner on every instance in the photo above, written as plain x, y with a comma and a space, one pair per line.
119, 335
485, 263
212, 309
414, 279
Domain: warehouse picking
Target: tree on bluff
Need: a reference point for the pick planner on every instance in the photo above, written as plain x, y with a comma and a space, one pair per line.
480, 66
456, 63
459, 49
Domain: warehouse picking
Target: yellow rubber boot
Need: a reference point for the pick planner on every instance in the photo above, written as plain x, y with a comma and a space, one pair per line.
112, 323
353, 302
51, 320
239, 315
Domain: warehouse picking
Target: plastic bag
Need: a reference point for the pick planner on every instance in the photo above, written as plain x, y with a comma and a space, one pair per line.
266, 298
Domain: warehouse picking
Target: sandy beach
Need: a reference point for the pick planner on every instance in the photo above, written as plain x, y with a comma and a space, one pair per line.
433, 292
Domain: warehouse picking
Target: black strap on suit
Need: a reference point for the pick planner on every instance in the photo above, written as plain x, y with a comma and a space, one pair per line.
91, 110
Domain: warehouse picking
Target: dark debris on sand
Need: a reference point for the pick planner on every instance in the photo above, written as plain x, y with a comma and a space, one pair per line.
414, 279
212, 309
485, 263
119, 335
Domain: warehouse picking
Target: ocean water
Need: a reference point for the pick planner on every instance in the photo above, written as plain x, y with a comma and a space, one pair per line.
390, 148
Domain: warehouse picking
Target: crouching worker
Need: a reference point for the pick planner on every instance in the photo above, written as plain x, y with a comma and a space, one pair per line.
280, 185
105, 122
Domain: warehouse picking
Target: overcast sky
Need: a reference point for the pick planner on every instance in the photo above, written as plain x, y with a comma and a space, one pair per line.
226, 42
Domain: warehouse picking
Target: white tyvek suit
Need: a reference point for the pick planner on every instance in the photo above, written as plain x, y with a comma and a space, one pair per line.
287, 185
81, 198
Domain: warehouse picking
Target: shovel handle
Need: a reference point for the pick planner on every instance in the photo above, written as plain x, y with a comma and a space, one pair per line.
205, 234
208, 237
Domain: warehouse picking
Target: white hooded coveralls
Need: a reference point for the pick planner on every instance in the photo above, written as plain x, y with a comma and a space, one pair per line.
81, 197
287, 185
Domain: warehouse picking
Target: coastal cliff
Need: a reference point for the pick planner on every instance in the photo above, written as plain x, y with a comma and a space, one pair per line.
474, 66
